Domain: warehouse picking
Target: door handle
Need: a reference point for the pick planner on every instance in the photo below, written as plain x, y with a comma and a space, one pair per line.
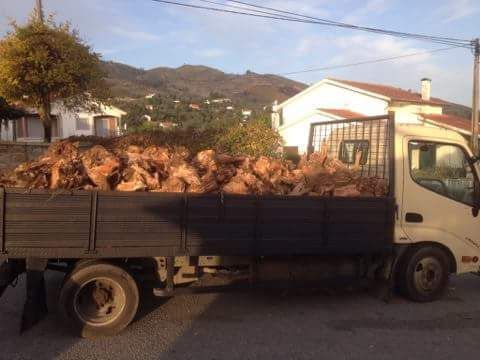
413, 218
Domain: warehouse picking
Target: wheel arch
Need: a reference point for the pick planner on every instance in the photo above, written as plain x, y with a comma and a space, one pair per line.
452, 262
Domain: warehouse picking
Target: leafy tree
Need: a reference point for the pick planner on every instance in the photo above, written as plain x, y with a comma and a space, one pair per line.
46, 63
135, 115
8, 112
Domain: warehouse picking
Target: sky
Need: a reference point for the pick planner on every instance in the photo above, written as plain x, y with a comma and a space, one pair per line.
147, 34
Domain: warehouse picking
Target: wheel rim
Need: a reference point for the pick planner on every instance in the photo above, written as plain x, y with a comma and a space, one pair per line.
428, 274
99, 302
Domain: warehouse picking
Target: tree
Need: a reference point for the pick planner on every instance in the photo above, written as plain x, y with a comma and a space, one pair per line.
46, 63
135, 115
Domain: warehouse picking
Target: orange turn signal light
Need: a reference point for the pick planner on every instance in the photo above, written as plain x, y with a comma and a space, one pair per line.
469, 259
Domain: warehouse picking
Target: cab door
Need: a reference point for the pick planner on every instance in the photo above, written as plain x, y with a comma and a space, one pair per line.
438, 198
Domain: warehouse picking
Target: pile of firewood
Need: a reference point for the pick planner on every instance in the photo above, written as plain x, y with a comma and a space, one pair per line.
174, 169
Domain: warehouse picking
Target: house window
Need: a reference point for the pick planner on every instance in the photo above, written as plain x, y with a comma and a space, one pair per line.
31, 127
82, 123
349, 148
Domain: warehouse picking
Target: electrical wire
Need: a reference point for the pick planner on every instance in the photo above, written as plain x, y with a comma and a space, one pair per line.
310, 20
364, 28
366, 62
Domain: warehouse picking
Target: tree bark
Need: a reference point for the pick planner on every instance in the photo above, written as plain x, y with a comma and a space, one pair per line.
46, 119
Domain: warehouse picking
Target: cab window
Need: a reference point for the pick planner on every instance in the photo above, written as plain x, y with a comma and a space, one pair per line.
442, 168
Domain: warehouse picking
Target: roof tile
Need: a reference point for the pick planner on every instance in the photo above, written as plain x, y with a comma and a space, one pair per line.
449, 121
391, 92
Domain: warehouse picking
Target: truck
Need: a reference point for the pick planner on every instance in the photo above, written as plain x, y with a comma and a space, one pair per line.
109, 244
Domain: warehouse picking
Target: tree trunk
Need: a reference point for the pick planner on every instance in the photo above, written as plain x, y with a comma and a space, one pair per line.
46, 119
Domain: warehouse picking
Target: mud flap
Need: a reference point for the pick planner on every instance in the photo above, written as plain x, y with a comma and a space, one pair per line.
9, 271
35, 308
390, 272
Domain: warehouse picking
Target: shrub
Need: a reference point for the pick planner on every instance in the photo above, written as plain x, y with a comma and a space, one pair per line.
255, 138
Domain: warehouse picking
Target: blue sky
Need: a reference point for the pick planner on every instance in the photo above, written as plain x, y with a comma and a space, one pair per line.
147, 34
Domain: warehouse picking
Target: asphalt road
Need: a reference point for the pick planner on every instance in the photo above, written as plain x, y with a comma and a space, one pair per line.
336, 324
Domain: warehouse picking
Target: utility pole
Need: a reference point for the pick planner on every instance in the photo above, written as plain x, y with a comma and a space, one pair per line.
476, 97
40, 11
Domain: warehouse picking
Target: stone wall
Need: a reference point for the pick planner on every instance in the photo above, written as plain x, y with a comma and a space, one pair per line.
14, 153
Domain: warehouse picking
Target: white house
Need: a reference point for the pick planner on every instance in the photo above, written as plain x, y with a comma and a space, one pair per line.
333, 99
106, 122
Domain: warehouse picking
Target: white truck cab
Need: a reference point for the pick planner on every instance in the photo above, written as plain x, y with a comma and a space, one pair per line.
436, 178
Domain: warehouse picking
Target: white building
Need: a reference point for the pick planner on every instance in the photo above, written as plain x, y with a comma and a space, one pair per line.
332, 99
106, 122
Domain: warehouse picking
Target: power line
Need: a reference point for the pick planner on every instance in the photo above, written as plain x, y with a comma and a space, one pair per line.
357, 27
368, 61
268, 15
246, 8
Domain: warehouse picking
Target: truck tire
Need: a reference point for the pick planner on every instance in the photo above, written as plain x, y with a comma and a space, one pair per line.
99, 299
424, 274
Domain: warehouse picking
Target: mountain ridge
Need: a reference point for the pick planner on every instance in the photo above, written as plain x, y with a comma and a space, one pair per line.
197, 82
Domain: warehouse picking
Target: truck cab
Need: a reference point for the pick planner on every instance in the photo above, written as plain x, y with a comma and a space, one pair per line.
436, 182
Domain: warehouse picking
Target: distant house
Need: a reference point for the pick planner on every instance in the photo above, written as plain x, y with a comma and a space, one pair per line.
221, 100
150, 96
106, 122
333, 99
194, 106
167, 124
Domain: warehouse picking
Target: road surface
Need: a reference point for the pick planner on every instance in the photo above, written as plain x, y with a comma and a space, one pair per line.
335, 324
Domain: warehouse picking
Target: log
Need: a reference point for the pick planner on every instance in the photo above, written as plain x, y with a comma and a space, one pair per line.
127, 167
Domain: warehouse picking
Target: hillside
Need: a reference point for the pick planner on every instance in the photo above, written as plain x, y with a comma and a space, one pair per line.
199, 82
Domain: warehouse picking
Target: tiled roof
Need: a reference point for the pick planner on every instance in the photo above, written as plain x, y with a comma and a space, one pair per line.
391, 92
450, 121
342, 113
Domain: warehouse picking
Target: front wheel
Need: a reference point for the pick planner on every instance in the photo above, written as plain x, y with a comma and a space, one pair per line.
424, 274
100, 299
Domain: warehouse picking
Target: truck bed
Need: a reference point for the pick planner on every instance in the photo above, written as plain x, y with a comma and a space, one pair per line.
84, 224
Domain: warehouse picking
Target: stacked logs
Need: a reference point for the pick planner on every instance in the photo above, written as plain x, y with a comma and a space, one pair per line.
174, 169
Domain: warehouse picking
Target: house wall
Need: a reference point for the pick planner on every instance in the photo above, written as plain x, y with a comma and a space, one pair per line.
330, 96
296, 133
294, 118
406, 113
6, 133
67, 123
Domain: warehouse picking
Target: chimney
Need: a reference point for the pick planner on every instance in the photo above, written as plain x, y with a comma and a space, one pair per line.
426, 88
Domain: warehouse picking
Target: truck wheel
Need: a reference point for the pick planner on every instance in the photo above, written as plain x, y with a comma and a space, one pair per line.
424, 274
100, 299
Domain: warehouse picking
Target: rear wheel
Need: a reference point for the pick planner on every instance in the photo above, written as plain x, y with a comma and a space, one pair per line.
424, 274
100, 299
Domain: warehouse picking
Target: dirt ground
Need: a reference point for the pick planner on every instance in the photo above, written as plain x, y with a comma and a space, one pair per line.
334, 324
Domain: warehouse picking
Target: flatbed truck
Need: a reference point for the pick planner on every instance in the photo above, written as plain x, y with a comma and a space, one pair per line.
109, 244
